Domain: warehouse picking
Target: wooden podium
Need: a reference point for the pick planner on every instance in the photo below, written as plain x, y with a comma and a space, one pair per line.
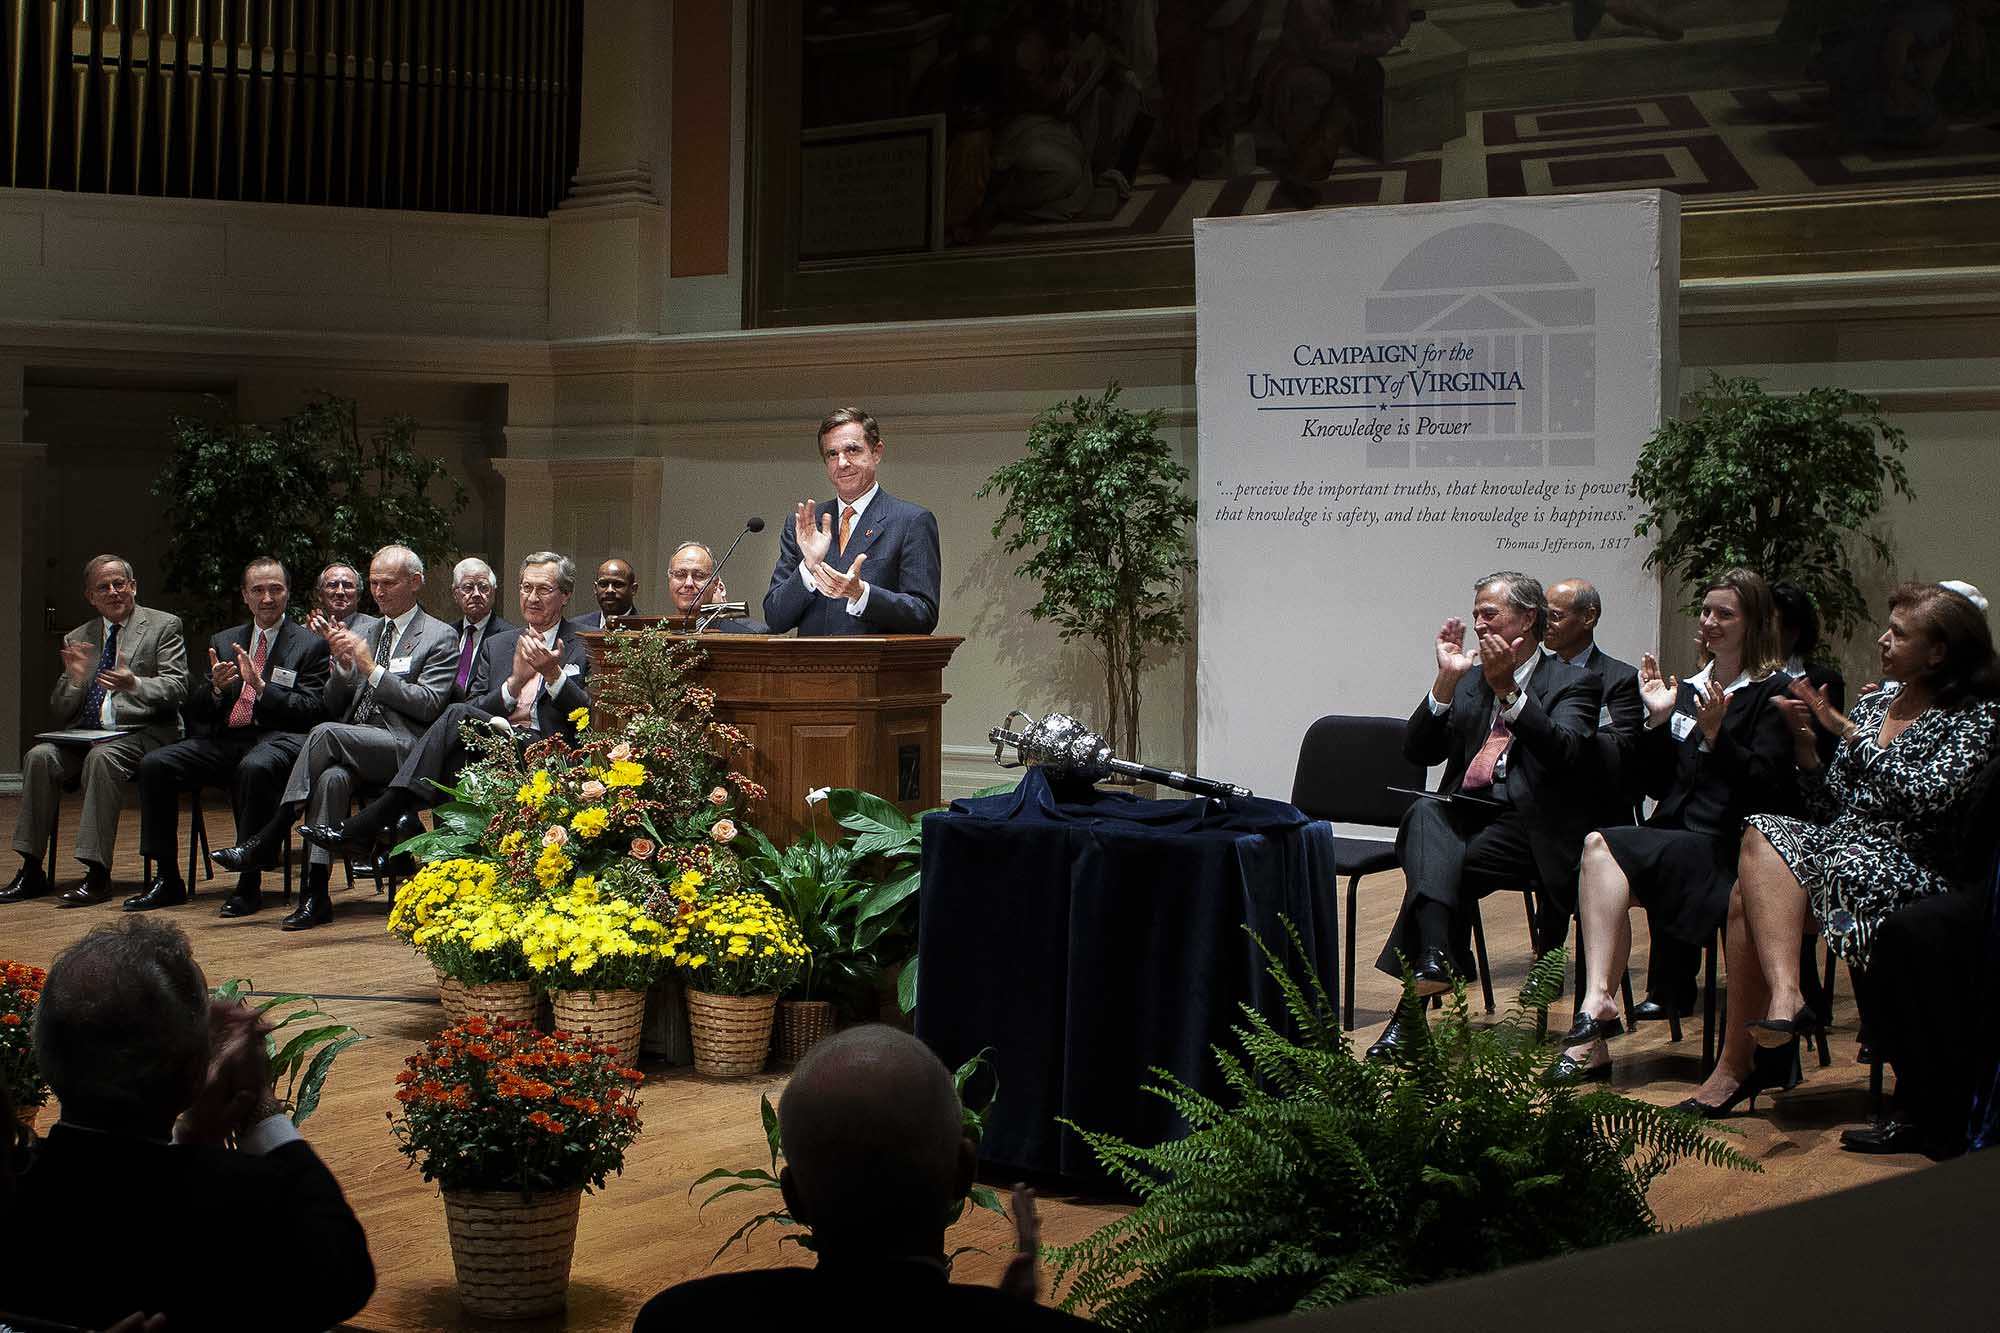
861, 712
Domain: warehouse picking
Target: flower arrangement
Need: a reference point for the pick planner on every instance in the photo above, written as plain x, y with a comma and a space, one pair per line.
20, 992
736, 943
497, 1106
465, 920
582, 939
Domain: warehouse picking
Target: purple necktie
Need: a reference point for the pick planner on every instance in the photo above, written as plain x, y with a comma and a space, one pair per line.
465, 656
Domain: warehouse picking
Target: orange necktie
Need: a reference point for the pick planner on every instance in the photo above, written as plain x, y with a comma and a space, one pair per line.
846, 526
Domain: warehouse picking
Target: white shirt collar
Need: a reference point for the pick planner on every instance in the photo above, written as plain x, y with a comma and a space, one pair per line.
1525, 670
402, 624
1700, 680
108, 626
860, 505
270, 634
476, 626
549, 636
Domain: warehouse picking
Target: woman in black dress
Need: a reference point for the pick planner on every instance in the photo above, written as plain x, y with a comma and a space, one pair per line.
1715, 749
1883, 820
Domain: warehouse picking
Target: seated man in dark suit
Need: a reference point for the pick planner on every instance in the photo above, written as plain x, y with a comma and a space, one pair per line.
530, 678
863, 562
1575, 606
688, 573
129, 1041
1514, 729
473, 587
616, 586
337, 595
876, 1158
245, 726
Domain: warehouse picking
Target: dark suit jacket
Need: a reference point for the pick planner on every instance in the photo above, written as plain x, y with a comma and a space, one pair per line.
901, 542
595, 620
894, 1296
1619, 722
169, 1229
1550, 765
151, 644
495, 625
552, 707
294, 707
1750, 769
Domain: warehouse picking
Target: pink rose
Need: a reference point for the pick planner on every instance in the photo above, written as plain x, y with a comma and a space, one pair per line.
642, 849
556, 836
720, 796
620, 752
723, 831
593, 790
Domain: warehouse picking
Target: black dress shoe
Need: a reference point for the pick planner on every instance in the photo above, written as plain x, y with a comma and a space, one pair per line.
1567, 1069
333, 838
95, 889
1396, 1037
1434, 973
253, 854
1884, 1136
162, 892
242, 904
1591, 1029
312, 910
1650, 1010
28, 882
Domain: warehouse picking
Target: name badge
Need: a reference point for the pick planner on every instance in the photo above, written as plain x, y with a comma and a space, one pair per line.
284, 676
1682, 725
399, 665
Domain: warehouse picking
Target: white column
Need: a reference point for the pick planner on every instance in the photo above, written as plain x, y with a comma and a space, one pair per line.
608, 242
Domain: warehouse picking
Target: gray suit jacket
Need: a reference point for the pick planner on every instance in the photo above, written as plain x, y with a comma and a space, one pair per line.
151, 644
410, 699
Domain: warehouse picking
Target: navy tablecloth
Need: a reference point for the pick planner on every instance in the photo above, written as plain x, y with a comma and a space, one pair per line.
1090, 937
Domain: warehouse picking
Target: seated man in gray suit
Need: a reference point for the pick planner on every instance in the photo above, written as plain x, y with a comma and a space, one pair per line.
863, 562
390, 679
528, 679
124, 670
246, 721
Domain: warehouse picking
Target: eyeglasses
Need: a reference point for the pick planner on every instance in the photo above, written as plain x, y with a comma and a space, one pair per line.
536, 591
113, 586
475, 585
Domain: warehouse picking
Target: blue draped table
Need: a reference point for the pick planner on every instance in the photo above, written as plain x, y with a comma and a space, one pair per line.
1090, 937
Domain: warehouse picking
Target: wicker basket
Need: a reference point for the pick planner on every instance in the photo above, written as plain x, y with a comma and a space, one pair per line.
493, 1001
614, 1017
26, 1115
802, 1025
511, 1251
732, 1033
451, 995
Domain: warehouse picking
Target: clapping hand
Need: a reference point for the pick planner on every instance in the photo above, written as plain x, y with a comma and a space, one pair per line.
348, 648
1658, 695
815, 539
221, 674
120, 679
833, 583
237, 1090
1799, 722
1499, 659
246, 667
1022, 1278
78, 662
1709, 706
318, 623
1452, 658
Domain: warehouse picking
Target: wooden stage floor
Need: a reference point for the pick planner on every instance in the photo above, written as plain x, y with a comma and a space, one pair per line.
644, 1232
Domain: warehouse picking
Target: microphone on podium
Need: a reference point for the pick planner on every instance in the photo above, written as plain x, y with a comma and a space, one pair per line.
752, 524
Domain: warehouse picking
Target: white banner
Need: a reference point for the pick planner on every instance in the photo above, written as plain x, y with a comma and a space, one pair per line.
1394, 402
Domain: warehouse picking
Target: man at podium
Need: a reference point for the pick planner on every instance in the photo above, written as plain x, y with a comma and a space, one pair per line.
864, 562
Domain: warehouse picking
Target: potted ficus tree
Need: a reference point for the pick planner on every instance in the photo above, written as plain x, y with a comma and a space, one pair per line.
1785, 484
1101, 501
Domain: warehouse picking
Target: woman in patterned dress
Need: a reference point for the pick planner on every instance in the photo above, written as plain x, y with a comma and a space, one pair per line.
1882, 818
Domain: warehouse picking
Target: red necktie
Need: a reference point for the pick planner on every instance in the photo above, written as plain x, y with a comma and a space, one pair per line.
246, 702
1480, 773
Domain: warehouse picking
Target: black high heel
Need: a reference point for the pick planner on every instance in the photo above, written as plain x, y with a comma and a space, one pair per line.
1777, 1033
1759, 1080
1779, 1066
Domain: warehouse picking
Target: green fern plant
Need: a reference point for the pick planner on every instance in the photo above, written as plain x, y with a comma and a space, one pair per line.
1328, 1178
300, 1058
